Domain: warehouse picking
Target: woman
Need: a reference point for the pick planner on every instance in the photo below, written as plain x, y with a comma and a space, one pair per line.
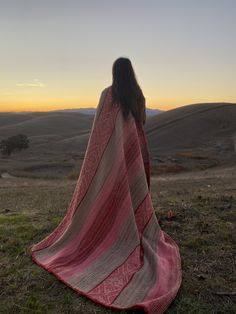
109, 246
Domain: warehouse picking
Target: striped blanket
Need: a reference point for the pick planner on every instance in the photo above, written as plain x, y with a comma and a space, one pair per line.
109, 246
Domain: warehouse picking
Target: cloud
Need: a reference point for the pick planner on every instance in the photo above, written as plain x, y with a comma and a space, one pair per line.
36, 83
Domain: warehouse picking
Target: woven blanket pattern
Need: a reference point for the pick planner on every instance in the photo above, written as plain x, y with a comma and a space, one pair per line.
109, 246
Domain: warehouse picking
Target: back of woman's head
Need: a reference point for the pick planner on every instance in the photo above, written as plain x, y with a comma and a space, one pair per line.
126, 90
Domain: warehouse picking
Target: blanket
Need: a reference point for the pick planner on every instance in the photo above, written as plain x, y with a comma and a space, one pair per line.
109, 246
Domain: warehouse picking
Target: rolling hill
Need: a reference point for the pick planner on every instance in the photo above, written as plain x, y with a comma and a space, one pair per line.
210, 126
196, 135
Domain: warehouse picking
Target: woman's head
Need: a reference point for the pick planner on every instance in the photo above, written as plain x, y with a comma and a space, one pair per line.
122, 71
126, 90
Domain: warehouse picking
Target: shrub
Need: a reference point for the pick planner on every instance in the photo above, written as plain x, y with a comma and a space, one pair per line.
14, 143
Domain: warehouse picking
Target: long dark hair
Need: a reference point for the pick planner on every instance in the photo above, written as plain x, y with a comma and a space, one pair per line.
126, 90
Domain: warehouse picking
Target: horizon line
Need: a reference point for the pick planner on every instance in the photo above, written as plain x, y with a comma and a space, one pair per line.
149, 108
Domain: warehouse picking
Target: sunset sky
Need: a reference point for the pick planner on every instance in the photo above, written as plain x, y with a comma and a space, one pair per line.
58, 54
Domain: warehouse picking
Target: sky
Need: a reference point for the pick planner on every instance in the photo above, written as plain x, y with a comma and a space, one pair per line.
57, 54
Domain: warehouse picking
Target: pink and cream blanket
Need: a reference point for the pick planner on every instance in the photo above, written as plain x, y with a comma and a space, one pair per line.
109, 247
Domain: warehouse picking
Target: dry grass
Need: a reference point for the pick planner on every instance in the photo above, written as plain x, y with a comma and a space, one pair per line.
164, 169
193, 155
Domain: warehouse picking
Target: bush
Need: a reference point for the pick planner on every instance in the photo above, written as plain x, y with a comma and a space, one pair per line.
14, 143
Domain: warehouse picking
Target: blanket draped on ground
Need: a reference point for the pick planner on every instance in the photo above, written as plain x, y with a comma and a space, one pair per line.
109, 246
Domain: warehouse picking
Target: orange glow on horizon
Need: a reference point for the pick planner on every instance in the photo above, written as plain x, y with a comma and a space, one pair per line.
48, 107
45, 104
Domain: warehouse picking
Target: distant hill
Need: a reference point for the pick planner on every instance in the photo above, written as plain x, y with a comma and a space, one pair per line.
88, 111
153, 112
91, 111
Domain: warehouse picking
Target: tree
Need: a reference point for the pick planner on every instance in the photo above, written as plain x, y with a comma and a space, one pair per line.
14, 143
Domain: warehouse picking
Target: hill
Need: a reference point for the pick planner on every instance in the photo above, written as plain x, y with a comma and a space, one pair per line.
91, 111
188, 137
195, 131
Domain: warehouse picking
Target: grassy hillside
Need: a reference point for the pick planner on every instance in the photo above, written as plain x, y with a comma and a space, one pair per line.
46, 123
197, 136
210, 127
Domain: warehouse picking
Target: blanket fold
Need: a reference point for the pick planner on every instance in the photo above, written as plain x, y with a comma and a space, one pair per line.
109, 246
